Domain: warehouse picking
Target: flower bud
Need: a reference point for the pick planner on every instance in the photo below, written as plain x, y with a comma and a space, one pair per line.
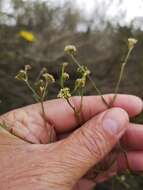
65, 64
28, 67
66, 76
131, 42
41, 90
83, 70
48, 77
70, 49
80, 83
22, 75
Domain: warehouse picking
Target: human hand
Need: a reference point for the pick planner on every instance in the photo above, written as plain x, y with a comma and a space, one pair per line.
60, 165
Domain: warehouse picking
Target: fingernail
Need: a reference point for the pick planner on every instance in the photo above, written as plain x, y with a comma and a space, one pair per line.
115, 121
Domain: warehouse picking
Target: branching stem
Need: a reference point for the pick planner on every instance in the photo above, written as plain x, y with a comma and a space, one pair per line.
120, 76
91, 80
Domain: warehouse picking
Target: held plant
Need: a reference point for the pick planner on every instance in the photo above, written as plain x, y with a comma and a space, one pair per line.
79, 86
71, 51
39, 90
131, 44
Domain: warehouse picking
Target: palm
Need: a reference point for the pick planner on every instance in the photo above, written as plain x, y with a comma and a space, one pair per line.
28, 124
35, 130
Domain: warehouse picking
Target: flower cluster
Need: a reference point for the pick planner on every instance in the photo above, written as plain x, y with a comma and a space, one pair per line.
40, 87
48, 77
131, 42
70, 49
22, 74
81, 82
64, 93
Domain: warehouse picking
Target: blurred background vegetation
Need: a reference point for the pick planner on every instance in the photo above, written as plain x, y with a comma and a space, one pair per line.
101, 42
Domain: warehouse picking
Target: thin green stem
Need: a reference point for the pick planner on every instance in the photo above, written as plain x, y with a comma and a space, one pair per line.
100, 169
120, 76
45, 91
41, 99
74, 109
62, 79
67, 99
51, 129
97, 90
33, 91
81, 101
74, 90
90, 79
43, 110
40, 74
125, 155
37, 96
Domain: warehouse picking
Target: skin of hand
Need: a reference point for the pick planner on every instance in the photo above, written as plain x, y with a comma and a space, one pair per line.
62, 164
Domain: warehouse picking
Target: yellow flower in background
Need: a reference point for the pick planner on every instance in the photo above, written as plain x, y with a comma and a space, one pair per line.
28, 36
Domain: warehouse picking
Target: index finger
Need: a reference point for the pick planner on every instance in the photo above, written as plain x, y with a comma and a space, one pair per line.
60, 114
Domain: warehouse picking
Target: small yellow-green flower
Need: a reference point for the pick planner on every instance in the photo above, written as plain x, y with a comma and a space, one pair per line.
131, 42
48, 77
64, 93
80, 83
21, 75
83, 70
65, 64
27, 36
66, 76
70, 49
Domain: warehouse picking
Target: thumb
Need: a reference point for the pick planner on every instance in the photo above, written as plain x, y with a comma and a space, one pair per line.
91, 142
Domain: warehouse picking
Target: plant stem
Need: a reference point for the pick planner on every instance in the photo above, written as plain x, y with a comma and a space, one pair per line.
125, 155
51, 130
45, 92
90, 79
42, 105
36, 96
67, 99
81, 101
40, 74
43, 110
44, 116
120, 76
75, 111
61, 79
98, 91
